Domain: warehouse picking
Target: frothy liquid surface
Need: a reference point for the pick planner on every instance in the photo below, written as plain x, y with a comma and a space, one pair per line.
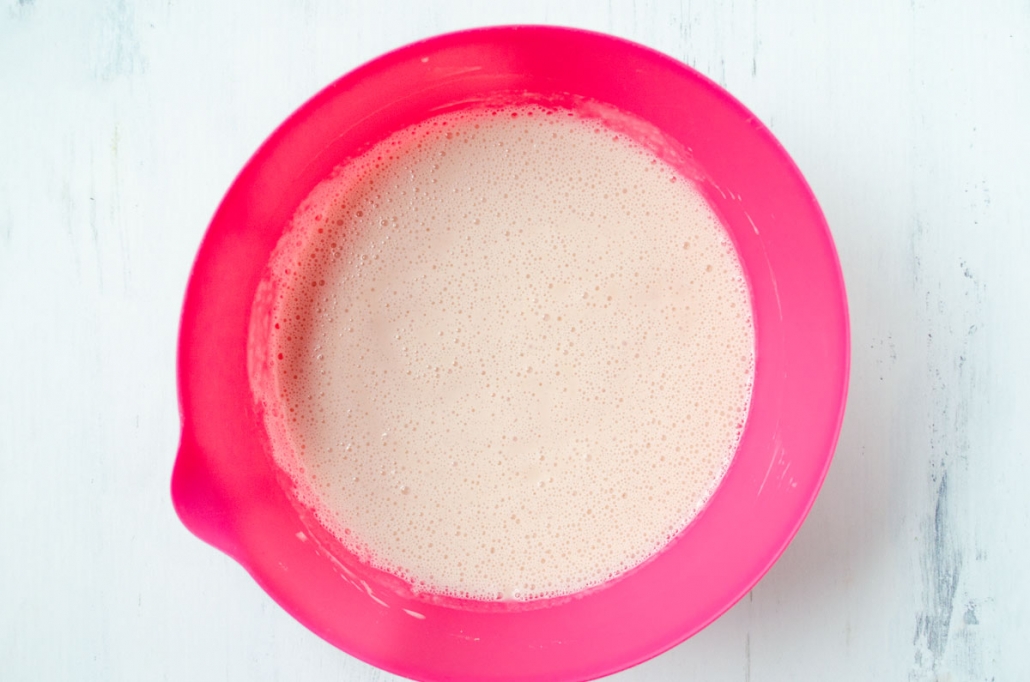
513, 354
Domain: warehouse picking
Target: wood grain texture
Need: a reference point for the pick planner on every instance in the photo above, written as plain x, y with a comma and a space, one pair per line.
122, 124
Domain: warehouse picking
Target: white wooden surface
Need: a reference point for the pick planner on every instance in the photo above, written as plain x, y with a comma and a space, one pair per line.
122, 123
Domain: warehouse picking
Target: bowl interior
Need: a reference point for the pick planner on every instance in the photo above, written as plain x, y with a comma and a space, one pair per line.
228, 491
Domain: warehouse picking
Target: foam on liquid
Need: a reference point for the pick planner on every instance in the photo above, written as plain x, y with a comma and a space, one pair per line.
513, 354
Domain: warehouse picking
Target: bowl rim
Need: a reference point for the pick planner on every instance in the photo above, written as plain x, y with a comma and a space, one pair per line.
185, 505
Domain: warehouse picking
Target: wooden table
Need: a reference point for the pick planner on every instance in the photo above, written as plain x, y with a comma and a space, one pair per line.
121, 125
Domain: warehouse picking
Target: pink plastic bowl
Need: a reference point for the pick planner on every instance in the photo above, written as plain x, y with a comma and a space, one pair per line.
227, 490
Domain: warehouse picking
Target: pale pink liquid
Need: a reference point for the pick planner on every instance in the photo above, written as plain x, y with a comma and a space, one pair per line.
514, 354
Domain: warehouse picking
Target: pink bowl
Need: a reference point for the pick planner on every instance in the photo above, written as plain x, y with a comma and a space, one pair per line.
227, 490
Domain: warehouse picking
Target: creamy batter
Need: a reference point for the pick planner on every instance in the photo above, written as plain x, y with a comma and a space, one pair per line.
513, 354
